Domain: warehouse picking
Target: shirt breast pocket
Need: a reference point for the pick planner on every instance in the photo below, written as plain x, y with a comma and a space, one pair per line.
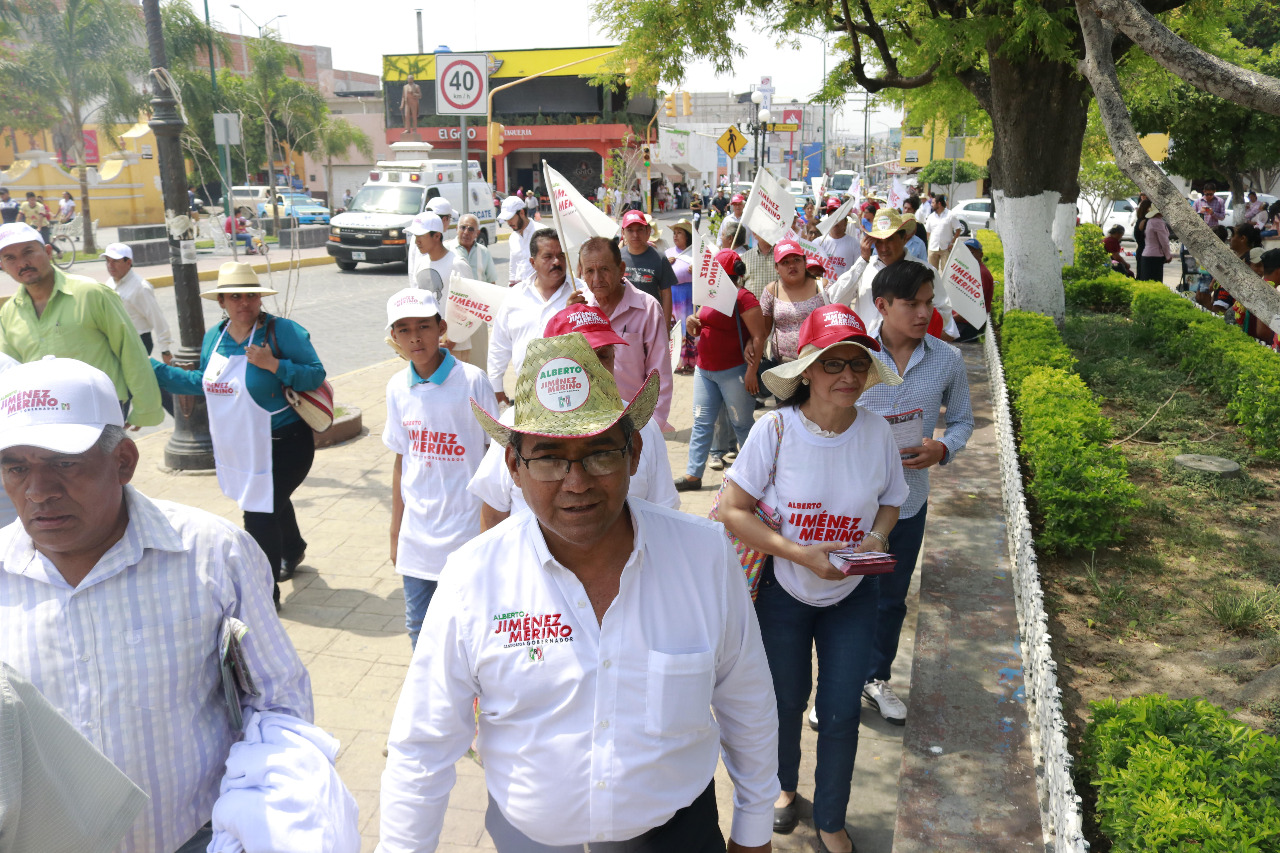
678, 695
159, 666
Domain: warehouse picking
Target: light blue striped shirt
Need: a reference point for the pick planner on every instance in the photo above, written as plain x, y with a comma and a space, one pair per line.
130, 656
935, 377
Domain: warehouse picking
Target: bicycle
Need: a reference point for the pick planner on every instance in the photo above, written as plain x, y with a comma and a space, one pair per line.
64, 251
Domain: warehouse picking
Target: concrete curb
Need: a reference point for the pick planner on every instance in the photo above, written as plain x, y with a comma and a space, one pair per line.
212, 275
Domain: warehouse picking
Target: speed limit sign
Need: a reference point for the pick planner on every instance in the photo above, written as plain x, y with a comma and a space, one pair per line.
462, 84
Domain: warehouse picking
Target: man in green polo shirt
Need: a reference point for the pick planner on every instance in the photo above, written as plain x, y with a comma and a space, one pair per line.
73, 317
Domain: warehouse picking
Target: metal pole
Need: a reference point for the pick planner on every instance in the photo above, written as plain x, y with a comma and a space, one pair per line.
226, 196
466, 166
420, 50
190, 448
824, 108
866, 133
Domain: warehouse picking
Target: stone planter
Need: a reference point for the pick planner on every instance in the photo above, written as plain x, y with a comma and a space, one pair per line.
345, 427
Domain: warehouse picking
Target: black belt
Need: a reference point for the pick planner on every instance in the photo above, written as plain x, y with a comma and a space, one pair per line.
288, 431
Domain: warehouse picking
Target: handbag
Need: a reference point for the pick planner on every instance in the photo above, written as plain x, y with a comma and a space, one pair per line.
751, 559
315, 407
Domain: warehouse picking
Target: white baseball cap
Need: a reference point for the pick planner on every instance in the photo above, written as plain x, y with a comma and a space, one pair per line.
511, 205
56, 404
440, 207
118, 251
411, 302
425, 223
18, 232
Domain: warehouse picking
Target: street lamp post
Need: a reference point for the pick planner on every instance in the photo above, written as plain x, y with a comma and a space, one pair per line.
823, 39
191, 447
759, 123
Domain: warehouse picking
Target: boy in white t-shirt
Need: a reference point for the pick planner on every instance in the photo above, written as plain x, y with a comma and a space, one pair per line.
438, 446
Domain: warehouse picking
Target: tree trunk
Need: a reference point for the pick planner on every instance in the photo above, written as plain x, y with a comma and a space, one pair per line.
77, 149
1038, 113
271, 173
1237, 193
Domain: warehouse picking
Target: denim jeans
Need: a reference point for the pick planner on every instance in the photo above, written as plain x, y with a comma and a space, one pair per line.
711, 389
843, 633
904, 543
417, 597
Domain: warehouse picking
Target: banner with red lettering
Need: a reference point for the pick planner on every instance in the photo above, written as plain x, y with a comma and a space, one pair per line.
897, 194
711, 284
842, 212
577, 219
770, 208
471, 303
963, 277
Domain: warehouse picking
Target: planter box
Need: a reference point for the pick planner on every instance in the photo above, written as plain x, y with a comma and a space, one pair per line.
304, 237
132, 233
344, 428
150, 252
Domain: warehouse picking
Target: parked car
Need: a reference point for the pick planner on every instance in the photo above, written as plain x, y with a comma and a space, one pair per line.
1122, 212
1230, 219
298, 207
975, 214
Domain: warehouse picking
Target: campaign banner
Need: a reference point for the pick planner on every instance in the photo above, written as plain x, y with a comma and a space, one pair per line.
897, 194
471, 303
577, 219
963, 278
712, 286
770, 208
828, 222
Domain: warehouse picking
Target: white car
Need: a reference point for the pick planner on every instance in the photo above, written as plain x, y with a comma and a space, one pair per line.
1122, 212
1230, 219
975, 214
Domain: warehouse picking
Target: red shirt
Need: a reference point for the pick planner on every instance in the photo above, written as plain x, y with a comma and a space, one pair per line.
719, 347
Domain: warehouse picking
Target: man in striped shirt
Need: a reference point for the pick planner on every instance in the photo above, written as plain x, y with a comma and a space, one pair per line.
113, 604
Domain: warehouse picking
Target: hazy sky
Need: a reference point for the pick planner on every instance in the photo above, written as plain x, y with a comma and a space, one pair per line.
359, 39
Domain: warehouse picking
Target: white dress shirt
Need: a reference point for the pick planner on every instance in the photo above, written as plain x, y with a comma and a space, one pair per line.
854, 290
519, 266
942, 228
139, 299
523, 316
130, 656
589, 731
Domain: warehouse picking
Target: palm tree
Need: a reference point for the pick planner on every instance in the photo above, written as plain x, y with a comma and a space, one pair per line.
81, 57
335, 138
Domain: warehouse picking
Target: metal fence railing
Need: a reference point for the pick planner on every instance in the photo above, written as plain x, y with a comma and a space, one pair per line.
1059, 802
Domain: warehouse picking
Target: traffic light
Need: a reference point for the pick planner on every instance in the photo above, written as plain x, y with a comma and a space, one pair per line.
688, 103
669, 103
840, 149
646, 156
495, 139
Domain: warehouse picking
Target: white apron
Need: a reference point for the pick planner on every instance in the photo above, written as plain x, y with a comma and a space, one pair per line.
241, 432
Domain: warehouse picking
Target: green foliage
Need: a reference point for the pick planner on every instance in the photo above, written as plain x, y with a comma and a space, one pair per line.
938, 173
1181, 775
1030, 342
1092, 260
1241, 612
1108, 293
993, 257
1079, 484
1101, 182
1223, 357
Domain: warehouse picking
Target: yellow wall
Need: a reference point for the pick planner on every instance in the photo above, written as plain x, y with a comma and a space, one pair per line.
515, 63
124, 189
978, 151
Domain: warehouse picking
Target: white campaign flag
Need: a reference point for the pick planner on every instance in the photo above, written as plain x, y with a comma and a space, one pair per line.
828, 222
712, 286
897, 193
963, 277
471, 303
817, 184
770, 208
577, 219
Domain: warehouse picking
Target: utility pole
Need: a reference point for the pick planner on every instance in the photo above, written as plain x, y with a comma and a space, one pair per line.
190, 448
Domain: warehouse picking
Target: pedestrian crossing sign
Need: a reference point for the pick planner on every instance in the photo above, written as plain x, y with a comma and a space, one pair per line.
732, 141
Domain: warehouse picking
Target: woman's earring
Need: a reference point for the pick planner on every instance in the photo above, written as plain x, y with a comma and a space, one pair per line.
804, 380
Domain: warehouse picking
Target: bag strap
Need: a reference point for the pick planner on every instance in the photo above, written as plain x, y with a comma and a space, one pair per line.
777, 426
271, 336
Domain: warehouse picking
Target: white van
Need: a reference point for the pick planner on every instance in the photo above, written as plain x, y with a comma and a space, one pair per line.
372, 229
841, 183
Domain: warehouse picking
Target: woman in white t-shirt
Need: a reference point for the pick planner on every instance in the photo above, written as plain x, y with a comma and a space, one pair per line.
838, 483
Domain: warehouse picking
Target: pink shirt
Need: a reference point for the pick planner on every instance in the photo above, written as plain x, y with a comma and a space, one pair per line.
638, 318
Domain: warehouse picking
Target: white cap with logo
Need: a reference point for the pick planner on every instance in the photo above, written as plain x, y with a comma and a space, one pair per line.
511, 205
440, 207
56, 404
118, 251
424, 223
18, 232
411, 302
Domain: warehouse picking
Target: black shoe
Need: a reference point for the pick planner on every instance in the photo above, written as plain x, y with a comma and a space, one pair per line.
290, 566
786, 818
688, 484
823, 848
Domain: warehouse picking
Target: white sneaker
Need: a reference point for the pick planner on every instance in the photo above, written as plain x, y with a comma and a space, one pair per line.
880, 694
813, 718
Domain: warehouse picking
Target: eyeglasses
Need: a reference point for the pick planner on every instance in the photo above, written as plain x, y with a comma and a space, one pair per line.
468, 228
551, 469
836, 366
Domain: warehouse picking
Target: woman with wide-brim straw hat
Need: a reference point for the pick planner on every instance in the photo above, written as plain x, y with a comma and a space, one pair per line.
262, 448
833, 471
680, 255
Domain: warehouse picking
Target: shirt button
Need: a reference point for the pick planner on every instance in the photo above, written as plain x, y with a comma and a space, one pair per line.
84, 658
600, 785
581, 603
607, 664
604, 724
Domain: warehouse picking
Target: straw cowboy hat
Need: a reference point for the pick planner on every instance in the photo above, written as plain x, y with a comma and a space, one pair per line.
237, 278
564, 392
887, 222
827, 327
684, 225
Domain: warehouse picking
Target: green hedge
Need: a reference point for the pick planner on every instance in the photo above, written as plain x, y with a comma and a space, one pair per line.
993, 257
1181, 775
1092, 260
1079, 484
1109, 293
1224, 358
1030, 341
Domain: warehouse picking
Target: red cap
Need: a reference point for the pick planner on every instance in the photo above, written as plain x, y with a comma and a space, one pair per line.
833, 204
813, 263
935, 324
833, 324
738, 198
634, 217
785, 249
588, 320
728, 259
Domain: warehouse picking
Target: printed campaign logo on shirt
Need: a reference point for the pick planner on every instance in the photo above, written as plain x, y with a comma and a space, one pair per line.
41, 400
813, 524
563, 385
434, 445
521, 628
220, 389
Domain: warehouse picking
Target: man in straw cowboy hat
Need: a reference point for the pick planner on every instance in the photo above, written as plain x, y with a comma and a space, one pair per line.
69, 315
888, 236
599, 633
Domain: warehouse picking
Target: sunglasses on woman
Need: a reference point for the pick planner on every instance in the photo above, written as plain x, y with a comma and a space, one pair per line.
836, 366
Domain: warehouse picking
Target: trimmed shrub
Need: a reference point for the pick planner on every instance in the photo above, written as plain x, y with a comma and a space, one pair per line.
1111, 293
1030, 341
1092, 260
1161, 316
1181, 775
1079, 484
993, 257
